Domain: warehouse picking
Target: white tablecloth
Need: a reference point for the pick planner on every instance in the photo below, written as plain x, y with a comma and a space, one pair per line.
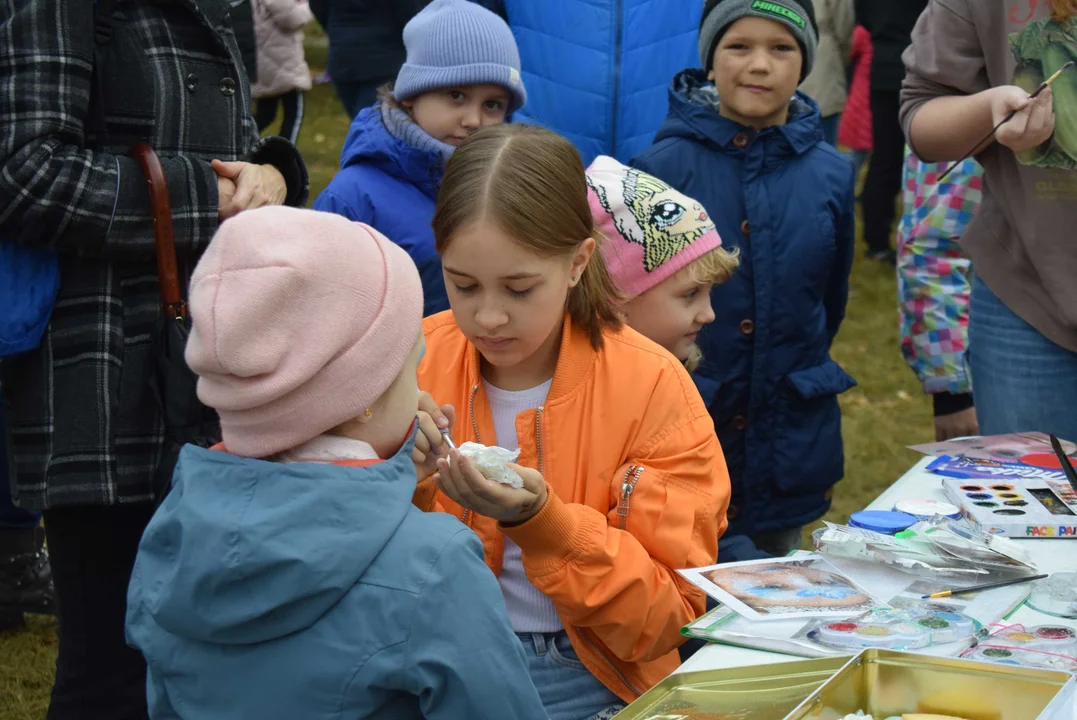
1050, 556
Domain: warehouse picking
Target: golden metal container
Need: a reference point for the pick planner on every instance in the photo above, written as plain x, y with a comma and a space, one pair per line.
885, 683
757, 692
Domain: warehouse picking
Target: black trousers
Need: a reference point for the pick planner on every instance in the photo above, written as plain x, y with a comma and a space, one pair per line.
883, 183
355, 96
265, 112
92, 551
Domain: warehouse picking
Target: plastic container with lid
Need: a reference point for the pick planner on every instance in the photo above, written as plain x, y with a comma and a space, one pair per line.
886, 522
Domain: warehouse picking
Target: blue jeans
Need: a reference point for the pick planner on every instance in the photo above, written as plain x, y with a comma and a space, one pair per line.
831, 123
10, 516
1021, 381
568, 689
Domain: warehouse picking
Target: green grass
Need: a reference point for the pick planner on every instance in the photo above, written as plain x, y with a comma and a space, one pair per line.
885, 413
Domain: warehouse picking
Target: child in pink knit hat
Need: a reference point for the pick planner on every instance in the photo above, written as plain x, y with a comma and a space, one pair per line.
291, 560
663, 253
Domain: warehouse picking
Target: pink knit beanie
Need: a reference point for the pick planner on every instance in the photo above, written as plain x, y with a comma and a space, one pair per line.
652, 231
301, 320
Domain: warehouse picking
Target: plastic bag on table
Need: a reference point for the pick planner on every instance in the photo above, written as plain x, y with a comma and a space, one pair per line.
933, 549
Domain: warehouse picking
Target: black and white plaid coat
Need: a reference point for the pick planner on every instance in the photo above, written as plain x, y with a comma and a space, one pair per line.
83, 426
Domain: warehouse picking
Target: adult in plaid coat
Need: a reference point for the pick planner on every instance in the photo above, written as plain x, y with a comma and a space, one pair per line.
84, 430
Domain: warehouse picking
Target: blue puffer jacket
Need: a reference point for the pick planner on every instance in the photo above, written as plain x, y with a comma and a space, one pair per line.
393, 187
597, 70
785, 199
263, 590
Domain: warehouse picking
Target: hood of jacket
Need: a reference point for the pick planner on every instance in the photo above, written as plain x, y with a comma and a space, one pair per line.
370, 142
243, 551
693, 114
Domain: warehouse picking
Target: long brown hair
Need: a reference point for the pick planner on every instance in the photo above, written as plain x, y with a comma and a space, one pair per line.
1063, 10
531, 183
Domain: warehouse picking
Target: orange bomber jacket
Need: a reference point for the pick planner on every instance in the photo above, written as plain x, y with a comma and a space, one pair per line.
637, 484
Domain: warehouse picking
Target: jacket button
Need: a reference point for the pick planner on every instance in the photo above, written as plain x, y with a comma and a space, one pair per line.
747, 327
745, 227
192, 82
228, 87
739, 422
732, 513
740, 141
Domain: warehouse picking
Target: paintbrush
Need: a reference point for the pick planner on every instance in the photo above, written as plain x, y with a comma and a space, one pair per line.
1043, 86
448, 439
1067, 466
978, 588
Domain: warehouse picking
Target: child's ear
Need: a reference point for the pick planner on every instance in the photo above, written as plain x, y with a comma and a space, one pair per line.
580, 260
710, 75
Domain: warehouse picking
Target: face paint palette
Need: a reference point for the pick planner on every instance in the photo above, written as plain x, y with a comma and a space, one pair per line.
1019, 657
1049, 638
899, 629
1016, 507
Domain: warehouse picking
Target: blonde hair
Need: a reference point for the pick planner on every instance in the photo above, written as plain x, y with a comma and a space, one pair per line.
531, 183
713, 268
1063, 10
387, 98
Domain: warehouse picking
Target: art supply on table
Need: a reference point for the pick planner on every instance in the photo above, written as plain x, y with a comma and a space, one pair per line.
1045, 460
980, 588
1011, 447
1056, 596
963, 541
882, 521
896, 629
888, 587
802, 586
1043, 86
968, 468
1052, 647
1036, 507
1064, 463
927, 509
927, 550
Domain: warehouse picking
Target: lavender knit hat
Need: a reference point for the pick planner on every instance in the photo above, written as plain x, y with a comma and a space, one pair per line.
457, 42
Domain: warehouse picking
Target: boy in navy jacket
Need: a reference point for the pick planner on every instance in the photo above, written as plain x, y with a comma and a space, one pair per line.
740, 139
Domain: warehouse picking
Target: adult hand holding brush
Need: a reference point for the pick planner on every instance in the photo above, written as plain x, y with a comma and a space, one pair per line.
1019, 120
1023, 121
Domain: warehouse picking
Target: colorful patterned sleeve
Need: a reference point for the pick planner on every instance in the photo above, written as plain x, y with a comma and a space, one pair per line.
933, 273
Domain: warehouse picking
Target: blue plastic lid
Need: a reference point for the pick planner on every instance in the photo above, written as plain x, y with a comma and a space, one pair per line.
887, 522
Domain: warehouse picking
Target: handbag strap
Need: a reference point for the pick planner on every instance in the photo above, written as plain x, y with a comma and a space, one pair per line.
164, 238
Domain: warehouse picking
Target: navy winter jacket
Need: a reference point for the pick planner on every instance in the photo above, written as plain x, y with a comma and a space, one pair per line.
784, 198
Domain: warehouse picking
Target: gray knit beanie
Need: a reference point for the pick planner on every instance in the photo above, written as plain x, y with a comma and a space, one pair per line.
458, 42
797, 15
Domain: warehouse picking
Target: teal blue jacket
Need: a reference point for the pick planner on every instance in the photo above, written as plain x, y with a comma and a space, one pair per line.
264, 590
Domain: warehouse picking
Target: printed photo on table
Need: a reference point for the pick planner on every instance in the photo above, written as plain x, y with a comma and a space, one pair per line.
782, 589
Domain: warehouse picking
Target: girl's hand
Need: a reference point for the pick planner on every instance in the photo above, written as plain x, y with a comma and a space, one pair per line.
1034, 122
466, 486
429, 443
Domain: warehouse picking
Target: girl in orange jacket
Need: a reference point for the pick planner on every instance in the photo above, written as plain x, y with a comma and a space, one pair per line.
624, 481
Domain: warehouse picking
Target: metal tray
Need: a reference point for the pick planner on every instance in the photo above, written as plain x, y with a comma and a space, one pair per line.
884, 683
757, 692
